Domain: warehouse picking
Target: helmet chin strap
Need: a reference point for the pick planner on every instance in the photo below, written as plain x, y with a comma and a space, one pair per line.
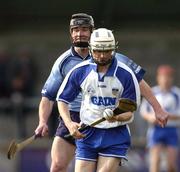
81, 44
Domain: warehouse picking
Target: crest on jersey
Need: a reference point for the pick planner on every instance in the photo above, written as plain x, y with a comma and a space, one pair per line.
115, 91
90, 91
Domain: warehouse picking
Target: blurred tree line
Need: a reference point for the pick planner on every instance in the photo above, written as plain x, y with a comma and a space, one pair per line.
19, 12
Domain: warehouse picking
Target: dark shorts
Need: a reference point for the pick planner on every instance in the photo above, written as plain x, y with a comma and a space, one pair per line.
62, 129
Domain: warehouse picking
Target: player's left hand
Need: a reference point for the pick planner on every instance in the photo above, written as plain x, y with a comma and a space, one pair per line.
162, 117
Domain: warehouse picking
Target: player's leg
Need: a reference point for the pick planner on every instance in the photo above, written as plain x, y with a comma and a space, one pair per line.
62, 153
63, 150
86, 151
85, 166
154, 158
113, 150
106, 164
71, 166
172, 153
172, 149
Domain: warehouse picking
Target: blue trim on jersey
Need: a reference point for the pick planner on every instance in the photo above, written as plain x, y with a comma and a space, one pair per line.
110, 71
77, 76
98, 95
74, 82
129, 86
138, 70
112, 68
60, 70
62, 66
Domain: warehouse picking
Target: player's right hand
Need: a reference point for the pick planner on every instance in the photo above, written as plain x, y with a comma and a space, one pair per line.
73, 129
42, 130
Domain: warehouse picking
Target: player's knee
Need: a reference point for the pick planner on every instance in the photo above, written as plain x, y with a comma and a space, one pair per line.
58, 167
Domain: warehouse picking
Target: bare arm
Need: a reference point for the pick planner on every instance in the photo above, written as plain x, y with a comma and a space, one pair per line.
149, 117
161, 115
123, 117
45, 109
64, 112
72, 126
174, 117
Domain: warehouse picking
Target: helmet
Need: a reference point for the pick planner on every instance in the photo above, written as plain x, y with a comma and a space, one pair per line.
78, 20
81, 19
102, 39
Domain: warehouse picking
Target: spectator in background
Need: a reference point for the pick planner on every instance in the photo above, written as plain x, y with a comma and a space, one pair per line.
160, 139
22, 75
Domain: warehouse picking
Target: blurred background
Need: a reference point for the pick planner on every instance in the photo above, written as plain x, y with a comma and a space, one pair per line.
32, 36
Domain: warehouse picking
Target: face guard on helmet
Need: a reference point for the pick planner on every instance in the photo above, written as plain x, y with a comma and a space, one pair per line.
102, 40
81, 20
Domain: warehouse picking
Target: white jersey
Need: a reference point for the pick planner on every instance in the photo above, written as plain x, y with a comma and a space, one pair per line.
170, 101
99, 92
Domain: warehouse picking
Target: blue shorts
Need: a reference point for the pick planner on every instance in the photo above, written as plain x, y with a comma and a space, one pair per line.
166, 136
62, 129
112, 142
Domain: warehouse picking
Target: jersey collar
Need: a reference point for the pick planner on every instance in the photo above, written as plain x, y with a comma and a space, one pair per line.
112, 68
74, 53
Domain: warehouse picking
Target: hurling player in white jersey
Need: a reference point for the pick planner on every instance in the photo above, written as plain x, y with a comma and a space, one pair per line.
103, 81
62, 152
163, 139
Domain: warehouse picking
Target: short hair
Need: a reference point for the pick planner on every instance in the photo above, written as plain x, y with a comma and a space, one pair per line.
165, 69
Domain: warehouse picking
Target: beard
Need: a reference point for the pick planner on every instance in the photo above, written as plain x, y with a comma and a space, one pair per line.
103, 63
